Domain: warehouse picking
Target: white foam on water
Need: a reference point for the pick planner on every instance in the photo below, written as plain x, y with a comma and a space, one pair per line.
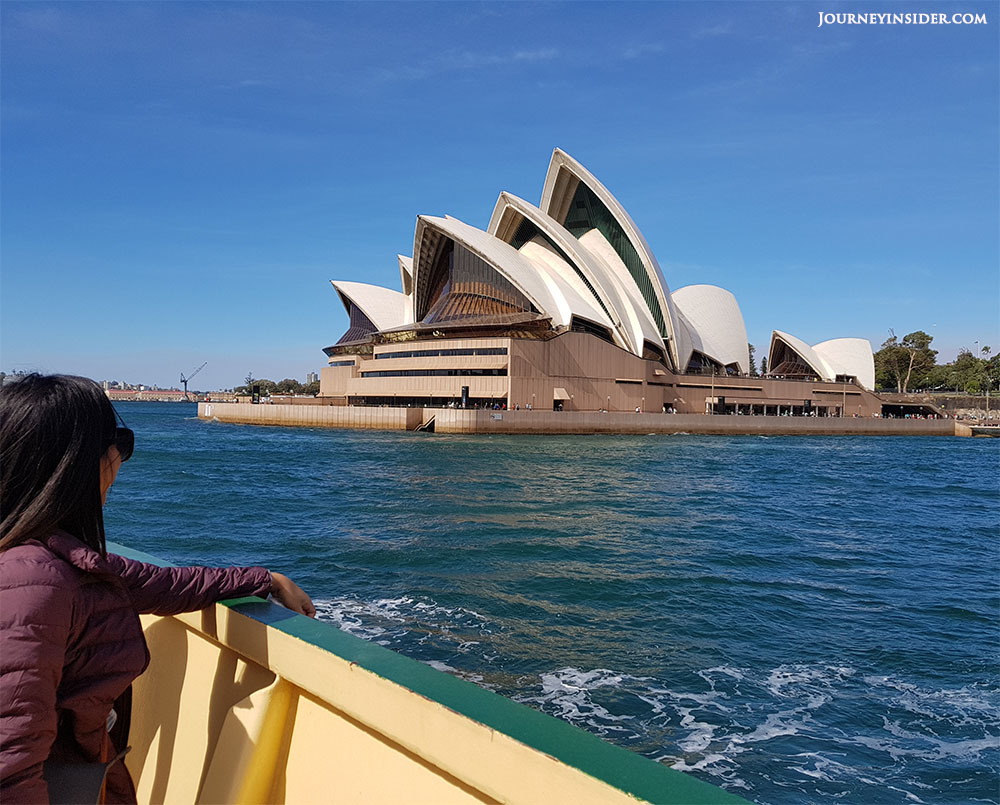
827, 730
437, 665
396, 621
960, 706
567, 694
926, 745
910, 797
772, 710
821, 768
701, 735
785, 677
775, 725
701, 765
735, 673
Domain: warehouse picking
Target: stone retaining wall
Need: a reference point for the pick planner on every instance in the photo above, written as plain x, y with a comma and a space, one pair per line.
449, 420
457, 421
316, 416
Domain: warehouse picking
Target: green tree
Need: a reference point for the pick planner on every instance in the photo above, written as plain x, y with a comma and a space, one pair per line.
939, 378
992, 371
266, 386
763, 366
753, 362
311, 388
288, 386
902, 362
967, 372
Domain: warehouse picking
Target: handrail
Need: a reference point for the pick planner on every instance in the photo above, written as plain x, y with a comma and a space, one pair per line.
248, 702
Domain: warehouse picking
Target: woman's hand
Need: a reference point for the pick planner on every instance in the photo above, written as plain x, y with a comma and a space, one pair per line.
287, 593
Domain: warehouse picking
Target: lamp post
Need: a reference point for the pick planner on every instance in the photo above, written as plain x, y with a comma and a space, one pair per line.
713, 388
843, 408
642, 408
608, 408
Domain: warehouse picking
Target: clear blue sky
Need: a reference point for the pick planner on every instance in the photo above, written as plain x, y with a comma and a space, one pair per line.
182, 180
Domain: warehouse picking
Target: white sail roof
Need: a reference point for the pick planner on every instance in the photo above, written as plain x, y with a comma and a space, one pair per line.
612, 299
539, 281
385, 308
715, 323
580, 302
803, 350
639, 317
850, 356
405, 273
839, 356
556, 197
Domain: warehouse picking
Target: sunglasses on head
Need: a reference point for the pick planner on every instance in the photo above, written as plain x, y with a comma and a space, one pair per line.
124, 440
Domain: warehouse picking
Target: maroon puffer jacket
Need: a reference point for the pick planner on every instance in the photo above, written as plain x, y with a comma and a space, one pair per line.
71, 643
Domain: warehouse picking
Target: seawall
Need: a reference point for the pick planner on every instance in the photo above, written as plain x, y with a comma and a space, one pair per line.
315, 416
449, 420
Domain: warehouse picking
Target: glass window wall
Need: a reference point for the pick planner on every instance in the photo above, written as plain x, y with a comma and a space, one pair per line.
586, 212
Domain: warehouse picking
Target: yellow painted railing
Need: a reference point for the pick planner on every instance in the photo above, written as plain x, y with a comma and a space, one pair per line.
247, 703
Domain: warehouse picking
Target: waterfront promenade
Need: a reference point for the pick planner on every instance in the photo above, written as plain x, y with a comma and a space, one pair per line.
451, 420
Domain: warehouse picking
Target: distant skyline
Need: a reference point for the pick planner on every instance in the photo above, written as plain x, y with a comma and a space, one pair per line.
182, 180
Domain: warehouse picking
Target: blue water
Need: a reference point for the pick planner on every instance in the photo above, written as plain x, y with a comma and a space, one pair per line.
795, 619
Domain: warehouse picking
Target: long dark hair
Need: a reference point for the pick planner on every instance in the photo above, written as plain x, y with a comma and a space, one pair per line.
54, 429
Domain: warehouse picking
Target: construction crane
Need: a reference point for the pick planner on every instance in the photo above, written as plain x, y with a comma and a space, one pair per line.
185, 380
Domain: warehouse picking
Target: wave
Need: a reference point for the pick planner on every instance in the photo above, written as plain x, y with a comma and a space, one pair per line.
391, 621
829, 730
811, 720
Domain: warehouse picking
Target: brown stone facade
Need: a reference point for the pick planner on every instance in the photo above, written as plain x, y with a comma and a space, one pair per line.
569, 372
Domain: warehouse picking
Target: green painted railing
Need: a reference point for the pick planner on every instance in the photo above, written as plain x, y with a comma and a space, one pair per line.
627, 771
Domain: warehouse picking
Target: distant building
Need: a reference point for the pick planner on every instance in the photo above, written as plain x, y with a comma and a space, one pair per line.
564, 306
311, 377
145, 395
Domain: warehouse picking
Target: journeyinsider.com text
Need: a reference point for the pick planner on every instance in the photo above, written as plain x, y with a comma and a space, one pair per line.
900, 19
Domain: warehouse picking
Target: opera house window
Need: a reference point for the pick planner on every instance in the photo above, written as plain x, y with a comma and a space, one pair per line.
502, 372
443, 353
587, 212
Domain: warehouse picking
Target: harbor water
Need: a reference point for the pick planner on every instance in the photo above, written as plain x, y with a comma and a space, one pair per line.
796, 619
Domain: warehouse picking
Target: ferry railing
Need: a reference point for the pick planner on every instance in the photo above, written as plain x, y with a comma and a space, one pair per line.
247, 702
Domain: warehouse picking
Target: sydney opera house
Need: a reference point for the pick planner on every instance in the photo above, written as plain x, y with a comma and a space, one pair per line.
564, 306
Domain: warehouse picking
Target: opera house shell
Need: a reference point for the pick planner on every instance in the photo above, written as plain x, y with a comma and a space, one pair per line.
563, 305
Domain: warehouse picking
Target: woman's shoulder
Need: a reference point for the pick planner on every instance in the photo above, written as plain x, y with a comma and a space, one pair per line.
38, 590
35, 563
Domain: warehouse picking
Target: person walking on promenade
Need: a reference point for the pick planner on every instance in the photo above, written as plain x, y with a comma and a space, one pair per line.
71, 643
